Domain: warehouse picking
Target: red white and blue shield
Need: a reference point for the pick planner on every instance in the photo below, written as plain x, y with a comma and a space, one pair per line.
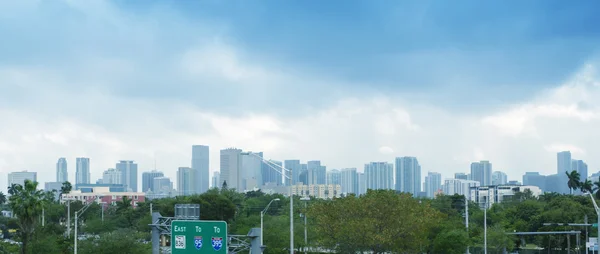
217, 243
198, 242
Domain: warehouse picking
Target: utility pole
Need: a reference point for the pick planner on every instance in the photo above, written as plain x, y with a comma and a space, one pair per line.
467, 218
485, 227
69, 218
75, 236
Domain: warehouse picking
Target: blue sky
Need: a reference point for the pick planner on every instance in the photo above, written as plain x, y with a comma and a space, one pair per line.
127, 70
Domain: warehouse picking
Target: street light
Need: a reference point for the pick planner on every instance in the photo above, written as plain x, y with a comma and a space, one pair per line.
282, 171
77, 214
262, 213
598, 215
305, 199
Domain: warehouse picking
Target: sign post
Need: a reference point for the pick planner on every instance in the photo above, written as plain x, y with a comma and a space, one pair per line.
198, 237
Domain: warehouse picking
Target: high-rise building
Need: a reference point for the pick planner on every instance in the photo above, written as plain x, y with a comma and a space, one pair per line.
251, 172
462, 176
499, 178
563, 164
200, 163
186, 181
294, 168
129, 174
62, 175
271, 172
459, 186
380, 176
362, 184
334, 177
408, 175
148, 180
215, 179
316, 172
433, 184
20, 177
82, 171
161, 184
581, 167
112, 176
535, 179
349, 180
231, 164
482, 172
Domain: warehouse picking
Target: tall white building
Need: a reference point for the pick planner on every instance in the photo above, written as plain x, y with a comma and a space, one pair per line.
186, 181
82, 171
408, 175
349, 181
200, 162
62, 175
215, 179
482, 172
231, 163
112, 176
129, 174
458, 186
433, 184
380, 175
499, 178
20, 177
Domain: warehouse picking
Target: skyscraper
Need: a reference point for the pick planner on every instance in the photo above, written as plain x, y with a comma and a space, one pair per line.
215, 179
380, 175
499, 178
186, 181
251, 171
563, 164
148, 180
129, 176
112, 176
433, 183
231, 163
462, 176
82, 171
482, 172
408, 175
270, 172
200, 163
581, 167
334, 177
20, 177
349, 181
294, 168
62, 174
535, 179
316, 172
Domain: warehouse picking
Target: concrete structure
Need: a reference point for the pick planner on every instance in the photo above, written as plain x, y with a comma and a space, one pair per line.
62, 175
499, 178
148, 180
231, 164
82, 170
317, 173
20, 177
362, 183
462, 176
200, 162
334, 177
112, 176
129, 174
433, 184
408, 175
349, 181
458, 186
186, 181
103, 194
322, 191
380, 176
482, 172
499, 193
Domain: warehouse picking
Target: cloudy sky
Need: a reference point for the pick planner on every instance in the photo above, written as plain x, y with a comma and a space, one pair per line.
342, 82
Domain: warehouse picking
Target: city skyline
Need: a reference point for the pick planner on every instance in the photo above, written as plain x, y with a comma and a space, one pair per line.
115, 80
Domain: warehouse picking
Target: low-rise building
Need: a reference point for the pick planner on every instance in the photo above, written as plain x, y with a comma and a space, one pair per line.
103, 195
323, 191
489, 195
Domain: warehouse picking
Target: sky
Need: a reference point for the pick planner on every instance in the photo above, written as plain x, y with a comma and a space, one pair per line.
347, 83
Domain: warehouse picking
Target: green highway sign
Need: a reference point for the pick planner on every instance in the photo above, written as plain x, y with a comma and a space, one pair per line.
198, 236
595, 225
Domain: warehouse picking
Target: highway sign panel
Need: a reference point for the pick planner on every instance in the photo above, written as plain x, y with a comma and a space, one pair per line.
198, 237
595, 225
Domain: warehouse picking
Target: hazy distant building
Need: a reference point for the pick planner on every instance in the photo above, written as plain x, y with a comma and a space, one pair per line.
200, 162
408, 175
148, 180
294, 168
486, 196
82, 170
231, 164
462, 176
581, 167
458, 186
161, 184
349, 180
380, 176
334, 177
554, 183
433, 184
20, 177
112, 176
316, 173
362, 183
535, 179
563, 164
271, 172
482, 172
215, 179
54, 186
62, 175
129, 174
499, 178
186, 181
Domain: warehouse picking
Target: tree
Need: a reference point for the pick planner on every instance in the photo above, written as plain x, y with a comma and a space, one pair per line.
26, 203
586, 186
2, 198
597, 189
573, 181
66, 188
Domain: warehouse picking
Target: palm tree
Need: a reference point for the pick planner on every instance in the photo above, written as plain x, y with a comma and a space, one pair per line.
26, 203
11, 189
66, 188
597, 188
2, 198
573, 182
586, 186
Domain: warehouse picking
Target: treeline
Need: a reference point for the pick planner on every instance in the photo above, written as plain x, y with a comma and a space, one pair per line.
379, 222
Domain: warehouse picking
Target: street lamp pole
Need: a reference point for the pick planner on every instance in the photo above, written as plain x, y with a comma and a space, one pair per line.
598, 215
262, 213
485, 226
77, 214
305, 199
282, 171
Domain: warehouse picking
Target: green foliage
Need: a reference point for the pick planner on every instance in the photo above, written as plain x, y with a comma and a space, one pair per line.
120, 241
